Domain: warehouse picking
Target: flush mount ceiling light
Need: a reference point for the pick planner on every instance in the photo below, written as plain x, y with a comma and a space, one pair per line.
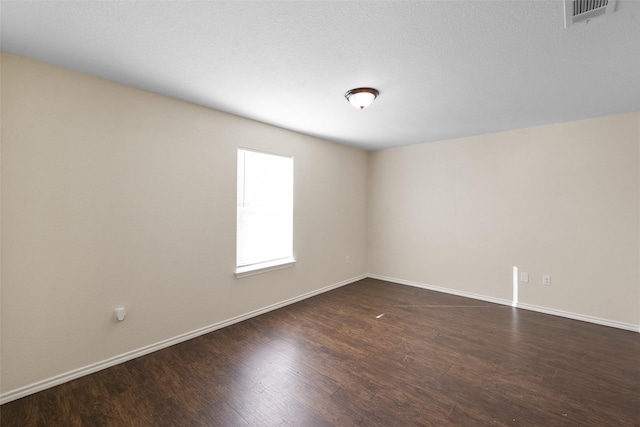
361, 97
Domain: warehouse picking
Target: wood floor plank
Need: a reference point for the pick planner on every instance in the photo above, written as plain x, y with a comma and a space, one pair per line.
372, 353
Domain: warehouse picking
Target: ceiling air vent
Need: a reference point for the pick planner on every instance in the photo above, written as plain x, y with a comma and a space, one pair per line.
584, 10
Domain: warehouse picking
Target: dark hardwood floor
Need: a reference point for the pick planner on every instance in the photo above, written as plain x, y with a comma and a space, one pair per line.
372, 354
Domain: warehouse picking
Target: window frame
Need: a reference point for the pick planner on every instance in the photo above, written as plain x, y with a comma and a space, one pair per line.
273, 264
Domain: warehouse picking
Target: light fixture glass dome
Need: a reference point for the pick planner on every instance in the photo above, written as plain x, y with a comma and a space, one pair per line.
361, 97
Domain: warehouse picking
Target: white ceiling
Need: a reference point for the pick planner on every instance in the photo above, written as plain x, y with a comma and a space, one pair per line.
444, 69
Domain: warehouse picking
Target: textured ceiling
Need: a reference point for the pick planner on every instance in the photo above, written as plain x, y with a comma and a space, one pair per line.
444, 69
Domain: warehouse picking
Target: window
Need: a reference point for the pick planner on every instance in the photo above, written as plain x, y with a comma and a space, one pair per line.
265, 212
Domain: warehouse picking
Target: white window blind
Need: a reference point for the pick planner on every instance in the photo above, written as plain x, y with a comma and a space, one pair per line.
265, 210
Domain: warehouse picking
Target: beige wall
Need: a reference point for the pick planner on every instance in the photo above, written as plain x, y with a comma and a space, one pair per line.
114, 196
560, 200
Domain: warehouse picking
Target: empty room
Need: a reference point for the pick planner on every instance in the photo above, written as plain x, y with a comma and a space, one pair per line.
320, 213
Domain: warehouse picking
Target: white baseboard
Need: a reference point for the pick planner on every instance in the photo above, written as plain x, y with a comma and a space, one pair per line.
112, 361
582, 317
443, 290
531, 307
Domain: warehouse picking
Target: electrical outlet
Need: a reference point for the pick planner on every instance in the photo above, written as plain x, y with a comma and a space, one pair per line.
546, 280
347, 259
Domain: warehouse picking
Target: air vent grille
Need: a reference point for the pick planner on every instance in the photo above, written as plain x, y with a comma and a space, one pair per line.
584, 10
582, 6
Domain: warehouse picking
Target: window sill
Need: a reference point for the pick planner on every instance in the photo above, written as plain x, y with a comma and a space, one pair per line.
263, 267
